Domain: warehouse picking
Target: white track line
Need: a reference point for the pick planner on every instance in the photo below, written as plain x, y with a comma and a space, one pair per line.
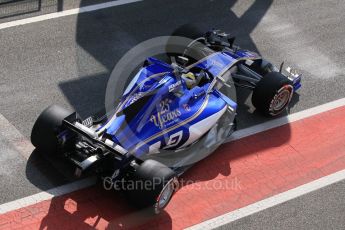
65, 189
270, 202
66, 13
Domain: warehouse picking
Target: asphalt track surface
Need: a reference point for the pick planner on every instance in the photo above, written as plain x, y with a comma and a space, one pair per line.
68, 60
322, 209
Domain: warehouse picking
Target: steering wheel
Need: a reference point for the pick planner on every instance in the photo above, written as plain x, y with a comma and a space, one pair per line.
203, 77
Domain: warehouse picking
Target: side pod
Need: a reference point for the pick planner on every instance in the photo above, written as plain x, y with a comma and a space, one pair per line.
231, 103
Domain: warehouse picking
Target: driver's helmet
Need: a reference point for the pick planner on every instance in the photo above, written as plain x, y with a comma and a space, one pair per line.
190, 79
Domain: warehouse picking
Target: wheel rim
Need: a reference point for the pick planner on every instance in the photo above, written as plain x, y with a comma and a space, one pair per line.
282, 98
166, 194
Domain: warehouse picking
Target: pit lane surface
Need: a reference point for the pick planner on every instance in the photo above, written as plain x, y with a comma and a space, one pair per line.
239, 179
322, 209
67, 60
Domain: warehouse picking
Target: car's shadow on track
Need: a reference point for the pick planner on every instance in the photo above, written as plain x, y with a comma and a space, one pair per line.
89, 208
105, 36
78, 211
39, 172
87, 95
97, 208
52, 168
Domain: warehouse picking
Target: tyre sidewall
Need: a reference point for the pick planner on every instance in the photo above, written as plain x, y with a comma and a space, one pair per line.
45, 130
149, 173
266, 91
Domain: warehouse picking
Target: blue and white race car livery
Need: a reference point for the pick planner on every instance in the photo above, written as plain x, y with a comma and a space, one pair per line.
168, 108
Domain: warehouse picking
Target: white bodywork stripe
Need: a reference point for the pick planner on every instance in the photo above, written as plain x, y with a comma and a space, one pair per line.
201, 127
131, 84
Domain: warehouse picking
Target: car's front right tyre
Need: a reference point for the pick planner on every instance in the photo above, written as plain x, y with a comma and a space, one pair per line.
272, 94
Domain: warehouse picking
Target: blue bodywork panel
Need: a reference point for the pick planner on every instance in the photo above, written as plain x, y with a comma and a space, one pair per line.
158, 111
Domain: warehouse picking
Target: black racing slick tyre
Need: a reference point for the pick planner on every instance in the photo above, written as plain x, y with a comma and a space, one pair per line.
47, 126
151, 186
272, 94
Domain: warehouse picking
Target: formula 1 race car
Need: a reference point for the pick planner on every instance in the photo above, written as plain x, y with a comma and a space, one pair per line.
167, 109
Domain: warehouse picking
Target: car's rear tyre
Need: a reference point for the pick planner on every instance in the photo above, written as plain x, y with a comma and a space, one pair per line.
272, 94
47, 126
151, 186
